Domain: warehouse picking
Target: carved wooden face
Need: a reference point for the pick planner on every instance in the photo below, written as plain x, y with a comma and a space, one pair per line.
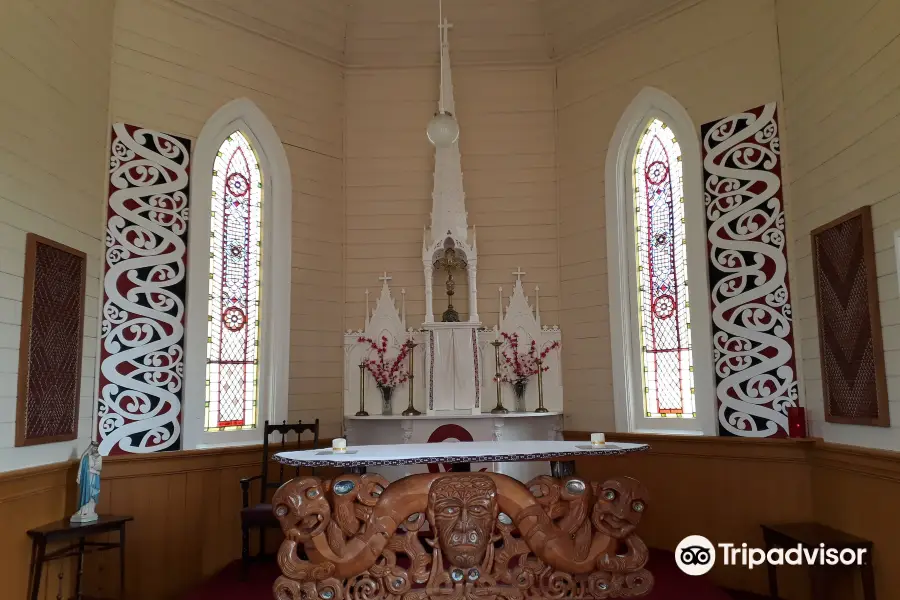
620, 505
463, 509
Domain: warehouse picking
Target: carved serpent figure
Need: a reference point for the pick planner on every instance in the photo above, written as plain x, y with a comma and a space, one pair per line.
491, 537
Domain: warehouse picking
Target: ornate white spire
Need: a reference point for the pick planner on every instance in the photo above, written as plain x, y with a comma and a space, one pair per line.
448, 212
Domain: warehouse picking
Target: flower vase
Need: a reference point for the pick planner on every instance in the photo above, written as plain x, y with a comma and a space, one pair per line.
519, 388
387, 394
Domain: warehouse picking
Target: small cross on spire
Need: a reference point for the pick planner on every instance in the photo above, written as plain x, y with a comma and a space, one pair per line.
445, 26
518, 273
385, 278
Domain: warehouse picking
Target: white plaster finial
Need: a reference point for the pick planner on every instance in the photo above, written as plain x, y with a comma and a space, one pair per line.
403, 307
537, 304
518, 273
385, 278
366, 323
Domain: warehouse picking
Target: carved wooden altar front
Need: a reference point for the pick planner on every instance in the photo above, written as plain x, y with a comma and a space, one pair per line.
448, 536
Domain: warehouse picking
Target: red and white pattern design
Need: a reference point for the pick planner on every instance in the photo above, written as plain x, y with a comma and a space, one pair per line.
235, 260
142, 327
753, 343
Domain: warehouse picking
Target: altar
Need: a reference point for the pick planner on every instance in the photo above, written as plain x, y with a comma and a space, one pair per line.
430, 429
444, 375
460, 534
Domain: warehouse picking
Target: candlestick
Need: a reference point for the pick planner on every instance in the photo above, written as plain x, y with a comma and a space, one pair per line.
540, 374
411, 410
499, 409
362, 391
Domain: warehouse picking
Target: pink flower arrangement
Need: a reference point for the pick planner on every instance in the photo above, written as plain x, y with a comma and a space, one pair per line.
517, 367
387, 373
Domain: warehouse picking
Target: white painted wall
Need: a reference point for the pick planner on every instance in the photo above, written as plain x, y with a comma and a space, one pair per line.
841, 71
55, 60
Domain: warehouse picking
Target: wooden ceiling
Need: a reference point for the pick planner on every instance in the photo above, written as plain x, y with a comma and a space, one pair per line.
397, 33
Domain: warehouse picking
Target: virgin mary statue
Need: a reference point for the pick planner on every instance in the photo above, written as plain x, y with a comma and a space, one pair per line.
88, 481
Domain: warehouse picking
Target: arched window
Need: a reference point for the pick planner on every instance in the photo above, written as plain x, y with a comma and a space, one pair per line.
237, 337
235, 267
656, 247
664, 320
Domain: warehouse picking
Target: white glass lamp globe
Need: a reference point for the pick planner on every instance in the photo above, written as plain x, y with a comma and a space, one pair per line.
443, 130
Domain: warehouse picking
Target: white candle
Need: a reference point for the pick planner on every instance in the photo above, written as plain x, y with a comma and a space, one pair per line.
496, 334
339, 445
598, 439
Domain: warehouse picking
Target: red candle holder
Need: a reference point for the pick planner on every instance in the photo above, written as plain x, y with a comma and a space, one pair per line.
796, 421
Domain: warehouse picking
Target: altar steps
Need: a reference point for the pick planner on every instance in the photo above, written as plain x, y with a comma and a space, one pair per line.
671, 584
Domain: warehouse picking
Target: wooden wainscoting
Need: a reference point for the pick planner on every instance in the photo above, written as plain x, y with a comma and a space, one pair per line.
858, 491
721, 488
724, 488
186, 507
30, 498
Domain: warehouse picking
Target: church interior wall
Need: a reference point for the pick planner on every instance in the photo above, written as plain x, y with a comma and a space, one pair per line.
715, 58
172, 68
508, 156
504, 92
534, 142
841, 69
53, 126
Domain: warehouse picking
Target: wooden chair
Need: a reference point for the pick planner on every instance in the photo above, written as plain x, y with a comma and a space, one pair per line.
261, 516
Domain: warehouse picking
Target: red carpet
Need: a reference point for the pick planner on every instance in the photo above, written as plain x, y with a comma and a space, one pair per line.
671, 584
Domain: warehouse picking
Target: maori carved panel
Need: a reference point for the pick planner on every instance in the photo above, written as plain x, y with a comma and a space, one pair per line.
52, 338
460, 536
142, 327
851, 354
753, 340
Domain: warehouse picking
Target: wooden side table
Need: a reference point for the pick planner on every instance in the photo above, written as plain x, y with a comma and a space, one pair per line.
811, 535
65, 531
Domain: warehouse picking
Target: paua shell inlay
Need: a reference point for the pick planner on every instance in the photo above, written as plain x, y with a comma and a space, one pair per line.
575, 487
344, 486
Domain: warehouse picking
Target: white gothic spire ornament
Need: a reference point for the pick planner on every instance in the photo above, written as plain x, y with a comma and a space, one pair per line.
449, 227
443, 130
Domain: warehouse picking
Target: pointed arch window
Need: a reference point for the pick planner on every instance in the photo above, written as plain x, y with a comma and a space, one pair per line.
660, 320
235, 271
663, 300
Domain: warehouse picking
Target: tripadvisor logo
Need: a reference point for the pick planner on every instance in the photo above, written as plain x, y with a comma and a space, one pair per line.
696, 555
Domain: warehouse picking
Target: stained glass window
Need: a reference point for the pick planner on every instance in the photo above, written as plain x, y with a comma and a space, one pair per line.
664, 322
235, 254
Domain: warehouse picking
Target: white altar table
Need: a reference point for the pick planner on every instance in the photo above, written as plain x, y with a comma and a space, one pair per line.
456, 453
430, 429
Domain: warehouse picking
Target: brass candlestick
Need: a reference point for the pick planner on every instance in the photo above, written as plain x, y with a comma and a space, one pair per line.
499, 409
540, 374
411, 410
362, 391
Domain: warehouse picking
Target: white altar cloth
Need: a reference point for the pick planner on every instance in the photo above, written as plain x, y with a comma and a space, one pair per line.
453, 452
433, 429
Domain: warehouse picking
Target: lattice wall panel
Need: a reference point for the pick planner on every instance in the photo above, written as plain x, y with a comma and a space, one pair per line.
851, 354
51, 342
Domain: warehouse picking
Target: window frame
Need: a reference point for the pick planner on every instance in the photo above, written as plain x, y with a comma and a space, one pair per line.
244, 116
650, 104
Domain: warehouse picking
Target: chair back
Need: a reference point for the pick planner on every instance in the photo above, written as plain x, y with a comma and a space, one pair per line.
283, 430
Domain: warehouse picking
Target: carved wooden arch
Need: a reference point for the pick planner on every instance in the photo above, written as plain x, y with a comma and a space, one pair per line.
489, 536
